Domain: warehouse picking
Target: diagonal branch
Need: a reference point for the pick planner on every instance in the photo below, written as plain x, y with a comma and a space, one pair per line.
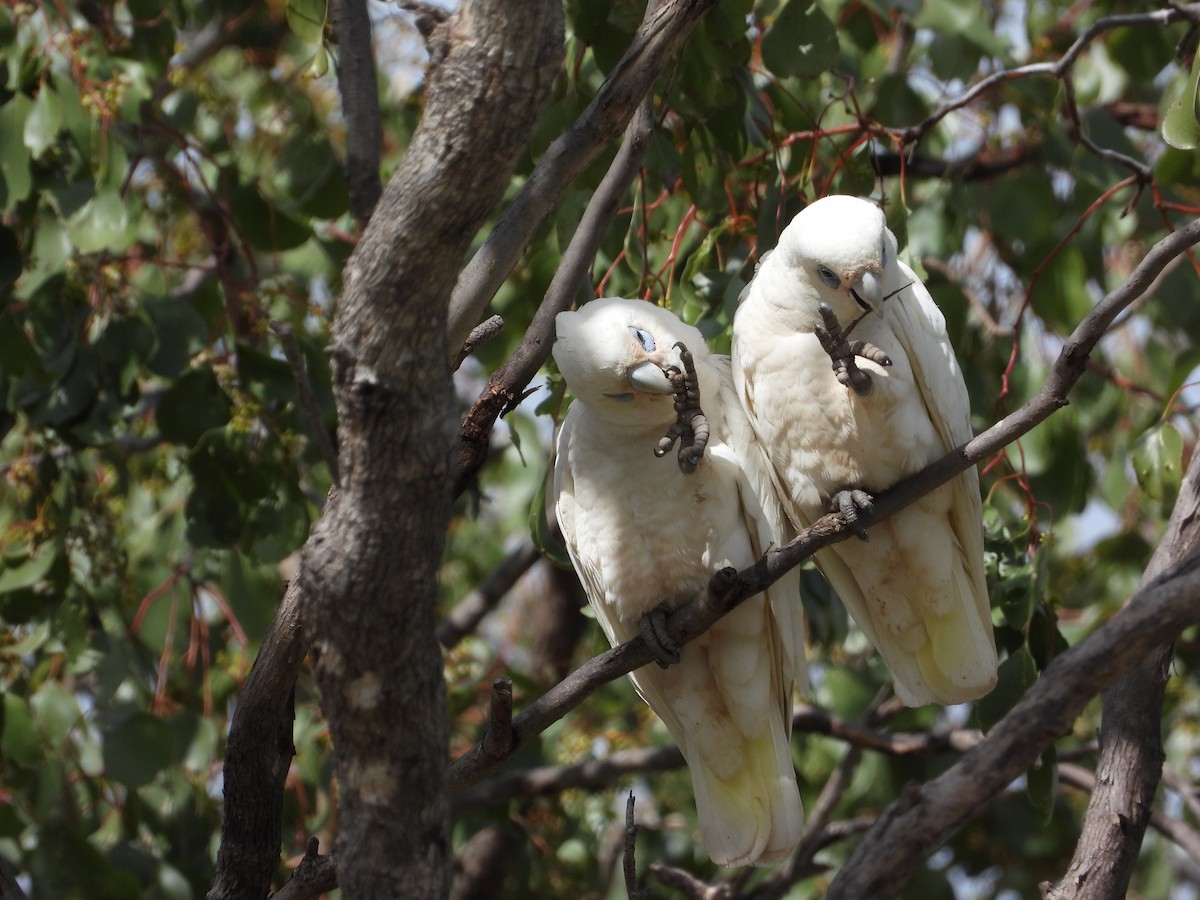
507, 384
665, 28
698, 614
1131, 751
925, 816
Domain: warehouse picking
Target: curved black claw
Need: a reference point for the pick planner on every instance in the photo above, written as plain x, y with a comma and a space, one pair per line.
842, 352
690, 427
848, 502
653, 626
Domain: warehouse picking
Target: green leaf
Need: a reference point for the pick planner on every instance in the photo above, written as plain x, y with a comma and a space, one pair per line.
14, 155
1016, 674
28, 573
56, 711
137, 746
801, 41
191, 406
100, 224
1158, 463
547, 538
307, 19
44, 121
1041, 785
18, 740
1181, 123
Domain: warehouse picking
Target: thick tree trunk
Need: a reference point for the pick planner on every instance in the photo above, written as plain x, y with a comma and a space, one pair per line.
371, 564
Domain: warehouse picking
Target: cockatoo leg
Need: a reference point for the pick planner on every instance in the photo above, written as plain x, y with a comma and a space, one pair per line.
848, 502
690, 427
653, 627
842, 352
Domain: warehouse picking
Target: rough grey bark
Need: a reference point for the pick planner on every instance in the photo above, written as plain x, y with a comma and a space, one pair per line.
371, 563
1131, 751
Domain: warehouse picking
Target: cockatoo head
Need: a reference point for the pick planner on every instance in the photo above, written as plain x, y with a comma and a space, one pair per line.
844, 247
612, 353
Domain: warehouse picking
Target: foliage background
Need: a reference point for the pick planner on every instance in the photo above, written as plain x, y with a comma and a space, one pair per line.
171, 186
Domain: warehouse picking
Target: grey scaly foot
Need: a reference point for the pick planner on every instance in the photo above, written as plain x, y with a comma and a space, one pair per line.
653, 626
690, 427
849, 502
842, 352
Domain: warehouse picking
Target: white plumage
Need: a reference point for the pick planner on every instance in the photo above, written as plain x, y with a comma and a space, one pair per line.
917, 589
642, 533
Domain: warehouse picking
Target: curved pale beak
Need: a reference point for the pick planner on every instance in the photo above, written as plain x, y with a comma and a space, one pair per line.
869, 287
647, 376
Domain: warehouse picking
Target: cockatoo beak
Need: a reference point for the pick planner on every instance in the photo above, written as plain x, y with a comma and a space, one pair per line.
647, 376
867, 291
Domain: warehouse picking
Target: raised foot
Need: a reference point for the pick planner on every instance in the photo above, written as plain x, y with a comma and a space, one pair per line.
842, 352
653, 627
690, 427
849, 502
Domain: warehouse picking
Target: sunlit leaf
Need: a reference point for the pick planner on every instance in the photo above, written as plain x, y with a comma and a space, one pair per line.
43, 122
307, 19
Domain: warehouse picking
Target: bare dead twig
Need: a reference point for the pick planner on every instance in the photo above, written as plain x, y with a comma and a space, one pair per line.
629, 857
480, 334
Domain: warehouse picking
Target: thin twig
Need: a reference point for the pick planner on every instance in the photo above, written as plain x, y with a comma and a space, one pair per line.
629, 858
480, 334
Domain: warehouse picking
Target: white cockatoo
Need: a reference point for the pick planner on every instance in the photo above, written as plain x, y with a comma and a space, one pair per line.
917, 589
644, 536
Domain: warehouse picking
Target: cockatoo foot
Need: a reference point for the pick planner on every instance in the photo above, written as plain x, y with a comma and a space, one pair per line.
848, 502
690, 427
842, 352
653, 627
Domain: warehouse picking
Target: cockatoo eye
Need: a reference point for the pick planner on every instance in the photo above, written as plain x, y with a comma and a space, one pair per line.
883, 256
828, 276
643, 338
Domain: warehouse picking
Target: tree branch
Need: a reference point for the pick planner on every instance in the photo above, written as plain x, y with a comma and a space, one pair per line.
371, 562
1131, 750
1187, 839
359, 88
257, 756
925, 816
314, 876
699, 613
666, 26
508, 383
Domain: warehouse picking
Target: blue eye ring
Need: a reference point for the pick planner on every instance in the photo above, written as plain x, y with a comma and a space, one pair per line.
644, 338
884, 254
828, 276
